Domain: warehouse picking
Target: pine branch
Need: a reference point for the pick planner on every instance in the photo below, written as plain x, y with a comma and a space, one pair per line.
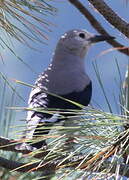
7, 144
92, 163
9, 164
99, 28
23, 20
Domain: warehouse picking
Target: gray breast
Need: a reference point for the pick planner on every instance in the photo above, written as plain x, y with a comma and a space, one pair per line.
63, 81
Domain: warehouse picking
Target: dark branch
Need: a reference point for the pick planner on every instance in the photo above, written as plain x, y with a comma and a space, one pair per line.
112, 17
9, 145
23, 167
93, 21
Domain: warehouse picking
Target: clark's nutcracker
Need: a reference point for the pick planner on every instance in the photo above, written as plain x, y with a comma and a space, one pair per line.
66, 77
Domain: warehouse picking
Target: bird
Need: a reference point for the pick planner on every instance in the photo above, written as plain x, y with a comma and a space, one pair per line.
65, 77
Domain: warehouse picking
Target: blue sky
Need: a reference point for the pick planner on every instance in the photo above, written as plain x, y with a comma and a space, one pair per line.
68, 18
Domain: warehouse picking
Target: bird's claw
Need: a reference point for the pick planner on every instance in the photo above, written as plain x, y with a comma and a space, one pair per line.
25, 146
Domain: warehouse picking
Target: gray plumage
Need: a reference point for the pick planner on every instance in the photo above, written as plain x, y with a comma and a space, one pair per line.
65, 76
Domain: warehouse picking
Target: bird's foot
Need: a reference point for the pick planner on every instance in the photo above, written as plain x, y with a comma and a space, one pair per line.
25, 147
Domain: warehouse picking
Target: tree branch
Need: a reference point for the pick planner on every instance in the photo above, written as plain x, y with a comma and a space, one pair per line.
53, 164
99, 28
112, 17
9, 145
9, 164
23, 167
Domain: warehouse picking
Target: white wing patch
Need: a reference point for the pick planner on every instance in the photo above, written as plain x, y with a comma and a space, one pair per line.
54, 118
31, 124
33, 92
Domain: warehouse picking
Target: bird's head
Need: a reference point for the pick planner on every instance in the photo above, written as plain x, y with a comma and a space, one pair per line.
77, 42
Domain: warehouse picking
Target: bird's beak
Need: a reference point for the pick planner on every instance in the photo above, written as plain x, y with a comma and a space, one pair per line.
99, 38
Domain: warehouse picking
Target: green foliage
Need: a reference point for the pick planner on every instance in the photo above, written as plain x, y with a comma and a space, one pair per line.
24, 21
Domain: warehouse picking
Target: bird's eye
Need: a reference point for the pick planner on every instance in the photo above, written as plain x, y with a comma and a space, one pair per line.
82, 35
